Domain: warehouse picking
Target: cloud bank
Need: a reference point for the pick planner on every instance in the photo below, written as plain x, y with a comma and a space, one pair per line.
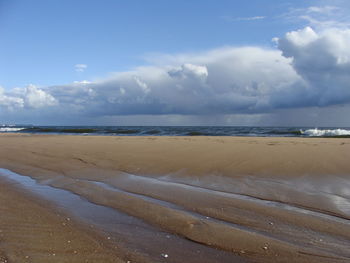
308, 69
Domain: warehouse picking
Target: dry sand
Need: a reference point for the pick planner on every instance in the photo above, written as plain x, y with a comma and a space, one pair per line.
235, 199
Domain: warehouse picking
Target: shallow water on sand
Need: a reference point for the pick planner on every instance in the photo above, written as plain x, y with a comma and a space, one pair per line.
325, 196
212, 219
134, 236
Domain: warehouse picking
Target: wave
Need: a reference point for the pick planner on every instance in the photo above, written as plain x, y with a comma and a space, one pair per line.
10, 129
329, 132
125, 131
59, 130
196, 133
326, 132
82, 130
151, 132
285, 132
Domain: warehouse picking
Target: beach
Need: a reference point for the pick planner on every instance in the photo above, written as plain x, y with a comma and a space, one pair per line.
188, 198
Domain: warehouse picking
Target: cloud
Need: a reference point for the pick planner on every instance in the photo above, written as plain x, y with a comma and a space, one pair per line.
221, 81
80, 67
36, 98
320, 17
141, 84
308, 69
322, 59
322, 9
82, 82
9, 102
30, 97
250, 18
189, 71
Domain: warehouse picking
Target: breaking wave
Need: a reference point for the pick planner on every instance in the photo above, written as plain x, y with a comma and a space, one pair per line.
326, 132
10, 129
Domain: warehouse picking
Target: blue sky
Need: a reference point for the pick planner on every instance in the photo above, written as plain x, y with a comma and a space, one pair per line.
42, 40
257, 62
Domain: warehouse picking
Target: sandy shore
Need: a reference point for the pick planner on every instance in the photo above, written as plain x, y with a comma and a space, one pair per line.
247, 199
32, 231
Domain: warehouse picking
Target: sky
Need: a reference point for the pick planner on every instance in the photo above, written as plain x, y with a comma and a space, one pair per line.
184, 62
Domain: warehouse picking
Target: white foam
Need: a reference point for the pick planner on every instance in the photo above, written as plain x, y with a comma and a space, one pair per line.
10, 129
330, 132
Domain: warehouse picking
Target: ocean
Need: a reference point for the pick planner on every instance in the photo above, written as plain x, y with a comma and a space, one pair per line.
181, 131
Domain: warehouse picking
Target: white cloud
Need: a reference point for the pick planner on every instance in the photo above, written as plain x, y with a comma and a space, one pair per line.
10, 102
30, 97
250, 18
322, 9
189, 71
80, 67
320, 17
144, 87
322, 59
309, 68
301, 37
221, 81
82, 82
37, 98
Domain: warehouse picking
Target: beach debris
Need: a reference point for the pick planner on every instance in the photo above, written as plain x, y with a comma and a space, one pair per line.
165, 255
108, 238
271, 223
168, 236
242, 252
265, 247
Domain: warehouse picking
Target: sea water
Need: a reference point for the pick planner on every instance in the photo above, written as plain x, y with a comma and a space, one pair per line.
181, 130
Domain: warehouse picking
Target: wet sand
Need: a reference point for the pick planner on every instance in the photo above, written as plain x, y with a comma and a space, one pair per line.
33, 231
193, 199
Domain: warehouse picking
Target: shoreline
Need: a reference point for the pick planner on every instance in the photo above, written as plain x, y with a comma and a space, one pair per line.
191, 184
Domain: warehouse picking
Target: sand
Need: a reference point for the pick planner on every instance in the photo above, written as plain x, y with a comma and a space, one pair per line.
216, 199
32, 231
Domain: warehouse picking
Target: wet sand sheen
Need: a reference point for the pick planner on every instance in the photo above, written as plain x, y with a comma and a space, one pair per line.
212, 231
133, 239
262, 216
32, 231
